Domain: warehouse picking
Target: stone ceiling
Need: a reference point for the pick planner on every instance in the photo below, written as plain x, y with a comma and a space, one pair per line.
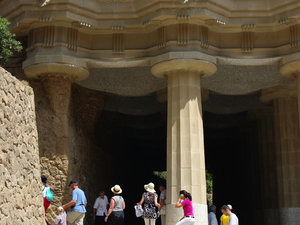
228, 80
233, 88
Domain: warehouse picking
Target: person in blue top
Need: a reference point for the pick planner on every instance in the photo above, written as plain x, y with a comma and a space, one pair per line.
77, 204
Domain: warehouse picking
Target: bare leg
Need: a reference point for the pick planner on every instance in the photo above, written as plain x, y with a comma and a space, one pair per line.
47, 221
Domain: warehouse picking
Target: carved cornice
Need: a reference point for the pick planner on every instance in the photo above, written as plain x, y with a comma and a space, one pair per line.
72, 39
203, 37
145, 13
247, 42
247, 38
161, 43
182, 34
118, 43
295, 35
191, 36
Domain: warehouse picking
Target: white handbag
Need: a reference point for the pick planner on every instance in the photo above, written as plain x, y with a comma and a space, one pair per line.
162, 211
138, 210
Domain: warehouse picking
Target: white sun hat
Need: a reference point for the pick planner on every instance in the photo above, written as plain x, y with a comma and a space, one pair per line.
149, 187
116, 189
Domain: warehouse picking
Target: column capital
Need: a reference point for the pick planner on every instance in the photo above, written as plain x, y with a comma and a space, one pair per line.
40, 70
289, 66
282, 91
173, 62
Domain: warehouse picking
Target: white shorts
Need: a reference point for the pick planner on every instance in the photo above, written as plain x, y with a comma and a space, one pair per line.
186, 221
75, 218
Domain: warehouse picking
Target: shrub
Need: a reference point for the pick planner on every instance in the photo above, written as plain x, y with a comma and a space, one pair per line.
8, 44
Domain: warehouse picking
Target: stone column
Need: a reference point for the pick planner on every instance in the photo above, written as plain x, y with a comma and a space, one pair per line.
52, 84
266, 172
287, 151
269, 175
185, 144
58, 91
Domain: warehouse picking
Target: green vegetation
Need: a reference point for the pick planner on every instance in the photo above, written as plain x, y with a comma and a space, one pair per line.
8, 44
209, 188
209, 182
161, 174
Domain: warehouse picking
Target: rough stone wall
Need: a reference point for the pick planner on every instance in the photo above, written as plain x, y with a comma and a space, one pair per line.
21, 199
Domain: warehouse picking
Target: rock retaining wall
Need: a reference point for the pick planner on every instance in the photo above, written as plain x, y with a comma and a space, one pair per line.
21, 199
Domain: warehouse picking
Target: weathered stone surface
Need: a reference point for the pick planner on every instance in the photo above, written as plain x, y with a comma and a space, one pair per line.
65, 138
21, 199
52, 108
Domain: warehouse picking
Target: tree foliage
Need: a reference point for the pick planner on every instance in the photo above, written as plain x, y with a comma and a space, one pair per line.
8, 44
161, 174
209, 183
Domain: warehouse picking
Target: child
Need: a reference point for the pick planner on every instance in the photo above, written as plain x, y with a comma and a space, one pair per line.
61, 218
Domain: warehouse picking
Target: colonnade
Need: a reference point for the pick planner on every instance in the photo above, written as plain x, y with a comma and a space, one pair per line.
279, 142
279, 151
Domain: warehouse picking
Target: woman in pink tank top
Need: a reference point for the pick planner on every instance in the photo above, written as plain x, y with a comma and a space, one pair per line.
185, 201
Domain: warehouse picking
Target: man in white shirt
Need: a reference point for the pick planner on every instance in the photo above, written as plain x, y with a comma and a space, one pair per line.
233, 219
212, 219
100, 209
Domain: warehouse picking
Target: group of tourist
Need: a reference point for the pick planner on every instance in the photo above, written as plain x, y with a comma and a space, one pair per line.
227, 218
112, 212
152, 208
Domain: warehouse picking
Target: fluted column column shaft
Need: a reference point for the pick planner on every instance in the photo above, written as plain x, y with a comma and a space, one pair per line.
287, 150
185, 144
268, 162
287, 138
268, 176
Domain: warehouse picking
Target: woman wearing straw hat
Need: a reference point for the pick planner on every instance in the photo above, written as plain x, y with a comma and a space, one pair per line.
116, 207
149, 199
